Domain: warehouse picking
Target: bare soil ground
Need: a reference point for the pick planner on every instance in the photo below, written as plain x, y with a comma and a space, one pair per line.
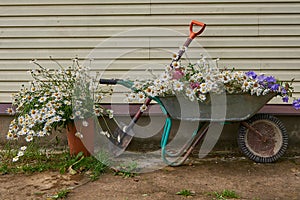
280, 180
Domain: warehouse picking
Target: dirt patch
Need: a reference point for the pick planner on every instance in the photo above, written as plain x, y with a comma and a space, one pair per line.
249, 180
37, 186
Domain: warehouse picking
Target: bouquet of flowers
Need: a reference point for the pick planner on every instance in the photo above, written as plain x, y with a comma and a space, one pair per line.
197, 80
53, 99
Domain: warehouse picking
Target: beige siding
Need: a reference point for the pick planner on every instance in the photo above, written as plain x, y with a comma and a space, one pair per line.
261, 35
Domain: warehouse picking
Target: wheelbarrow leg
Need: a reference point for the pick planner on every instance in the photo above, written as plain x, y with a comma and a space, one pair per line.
196, 141
187, 149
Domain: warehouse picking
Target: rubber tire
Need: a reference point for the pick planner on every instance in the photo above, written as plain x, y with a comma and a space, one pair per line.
281, 132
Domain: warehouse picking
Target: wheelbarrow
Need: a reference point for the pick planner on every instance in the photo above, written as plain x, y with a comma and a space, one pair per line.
262, 137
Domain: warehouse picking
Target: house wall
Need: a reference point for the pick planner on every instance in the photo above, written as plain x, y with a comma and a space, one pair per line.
125, 37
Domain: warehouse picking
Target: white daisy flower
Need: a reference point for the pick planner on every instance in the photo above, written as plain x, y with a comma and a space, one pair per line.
42, 99
15, 159
21, 120
178, 86
9, 135
66, 102
20, 153
246, 85
157, 82
175, 64
10, 111
41, 134
77, 113
266, 91
202, 97
56, 118
98, 111
24, 131
29, 138
23, 148
49, 105
143, 108
259, 91
141, 97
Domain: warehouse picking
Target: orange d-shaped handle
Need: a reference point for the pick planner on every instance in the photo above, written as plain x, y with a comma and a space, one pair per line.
200, 24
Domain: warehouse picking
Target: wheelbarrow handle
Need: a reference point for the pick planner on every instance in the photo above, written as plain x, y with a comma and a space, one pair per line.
192, 24
109, 81
191, 37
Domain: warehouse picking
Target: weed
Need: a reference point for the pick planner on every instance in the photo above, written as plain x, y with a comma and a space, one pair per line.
62, 194
37, 160
185, 193
80, 163
226, 194
126, 170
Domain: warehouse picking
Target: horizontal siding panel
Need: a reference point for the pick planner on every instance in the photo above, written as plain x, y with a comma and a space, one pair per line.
77, 2
279, 19
153, 42
225, 8
157, 64
178, 9
279, 30
223, 1
139, 53
278, 100
68, 54
70, 2
65, 10
276, 64
50, 32
246, 53
7, 87
24, 65
152, 20
5, 97
211, 31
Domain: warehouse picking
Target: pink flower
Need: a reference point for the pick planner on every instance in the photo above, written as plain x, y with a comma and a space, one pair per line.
194, 85
177, 74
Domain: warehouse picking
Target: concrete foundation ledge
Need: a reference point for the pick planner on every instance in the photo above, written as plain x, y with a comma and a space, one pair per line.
148, 132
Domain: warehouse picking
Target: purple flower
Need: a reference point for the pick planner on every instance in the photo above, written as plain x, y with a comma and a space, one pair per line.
261, 78
275, 87
285, 99
296, 104
270, 79
283, 90
251, 74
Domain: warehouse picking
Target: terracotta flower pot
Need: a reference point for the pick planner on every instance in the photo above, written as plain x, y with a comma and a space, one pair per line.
84, 144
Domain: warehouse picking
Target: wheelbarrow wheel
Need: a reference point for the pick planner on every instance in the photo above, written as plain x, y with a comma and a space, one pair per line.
266, 146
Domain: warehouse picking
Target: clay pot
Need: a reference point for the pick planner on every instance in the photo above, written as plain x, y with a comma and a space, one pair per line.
84, 144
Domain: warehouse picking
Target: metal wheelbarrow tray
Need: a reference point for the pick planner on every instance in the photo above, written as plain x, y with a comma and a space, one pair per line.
229, 107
